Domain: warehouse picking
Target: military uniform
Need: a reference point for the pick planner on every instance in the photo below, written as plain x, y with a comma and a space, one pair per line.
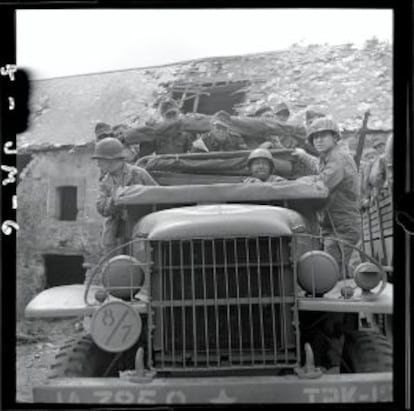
341, 217
114, 232
162, 138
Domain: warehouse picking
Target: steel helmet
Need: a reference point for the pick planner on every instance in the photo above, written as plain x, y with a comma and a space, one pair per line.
109, 148
282, 107
322, 124
261, 153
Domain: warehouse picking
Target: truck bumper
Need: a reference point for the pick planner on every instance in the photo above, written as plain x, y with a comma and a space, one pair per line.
343, 388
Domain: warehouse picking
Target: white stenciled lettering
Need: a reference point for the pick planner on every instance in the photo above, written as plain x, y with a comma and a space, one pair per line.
8, 70
12, 172
311, 392
14, 202
7, 148
12, 104
174, 397
124, 397
146, 397
8, 225
105, 396
330, 394
348, 393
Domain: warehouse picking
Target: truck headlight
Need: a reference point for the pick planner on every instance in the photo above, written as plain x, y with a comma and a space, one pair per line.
318, 272
122, 276
367, 276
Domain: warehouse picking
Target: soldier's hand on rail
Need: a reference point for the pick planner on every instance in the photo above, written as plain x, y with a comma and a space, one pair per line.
200, 145
298, 152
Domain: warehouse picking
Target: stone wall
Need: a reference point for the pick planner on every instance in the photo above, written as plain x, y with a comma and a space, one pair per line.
41, 232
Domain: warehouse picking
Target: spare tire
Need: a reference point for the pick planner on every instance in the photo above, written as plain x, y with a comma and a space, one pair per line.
365, 352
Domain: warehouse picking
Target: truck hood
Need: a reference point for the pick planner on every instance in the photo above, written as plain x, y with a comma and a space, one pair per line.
219, 220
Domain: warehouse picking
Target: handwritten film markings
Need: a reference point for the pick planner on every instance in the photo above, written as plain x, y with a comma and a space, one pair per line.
8, 225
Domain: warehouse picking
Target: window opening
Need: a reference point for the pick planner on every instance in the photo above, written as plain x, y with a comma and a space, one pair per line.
208, 98
67, 201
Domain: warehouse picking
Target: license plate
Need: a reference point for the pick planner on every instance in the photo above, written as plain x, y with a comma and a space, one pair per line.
346, 388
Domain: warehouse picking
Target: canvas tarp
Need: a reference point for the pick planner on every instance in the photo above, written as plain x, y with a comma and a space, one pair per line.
306, 188
226, 163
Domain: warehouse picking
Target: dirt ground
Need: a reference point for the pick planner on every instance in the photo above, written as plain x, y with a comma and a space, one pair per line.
37, 344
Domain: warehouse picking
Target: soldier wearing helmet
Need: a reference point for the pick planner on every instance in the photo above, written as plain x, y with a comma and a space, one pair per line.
261, 166
166, 137
102, 130
337, 169
312, 114
221, 137
172, 140
110, 155
267, 112
131, 150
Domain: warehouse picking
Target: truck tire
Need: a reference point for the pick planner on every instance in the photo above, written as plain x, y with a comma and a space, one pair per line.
366, 351
81, 357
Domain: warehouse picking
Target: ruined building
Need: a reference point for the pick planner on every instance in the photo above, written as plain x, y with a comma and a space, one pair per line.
57, 185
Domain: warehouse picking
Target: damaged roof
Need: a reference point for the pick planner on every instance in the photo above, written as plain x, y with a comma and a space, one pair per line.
344, 80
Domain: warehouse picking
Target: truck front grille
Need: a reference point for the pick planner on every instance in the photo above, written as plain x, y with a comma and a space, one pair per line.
222, 303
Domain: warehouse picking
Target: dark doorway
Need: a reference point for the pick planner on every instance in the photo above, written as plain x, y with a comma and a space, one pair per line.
64, 269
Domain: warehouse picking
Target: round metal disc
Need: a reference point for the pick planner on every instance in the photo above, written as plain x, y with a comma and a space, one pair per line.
115, 326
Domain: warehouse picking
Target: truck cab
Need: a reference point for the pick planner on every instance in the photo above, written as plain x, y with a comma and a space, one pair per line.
223, 293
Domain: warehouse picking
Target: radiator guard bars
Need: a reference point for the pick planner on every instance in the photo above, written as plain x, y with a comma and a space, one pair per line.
225, 303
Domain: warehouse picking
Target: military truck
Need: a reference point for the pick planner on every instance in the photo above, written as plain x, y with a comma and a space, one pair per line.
222, 294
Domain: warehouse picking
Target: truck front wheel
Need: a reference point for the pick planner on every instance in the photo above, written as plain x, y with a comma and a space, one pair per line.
82, 358
366, 351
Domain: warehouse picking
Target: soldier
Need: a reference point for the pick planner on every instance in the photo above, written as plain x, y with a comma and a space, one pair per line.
369, 157
253, 129
103, 130
175, 140
162, 138
131, 151
282, 112
266, 112
261, 166
313, 114
221, 137
340, 219
337, 169
117, 173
